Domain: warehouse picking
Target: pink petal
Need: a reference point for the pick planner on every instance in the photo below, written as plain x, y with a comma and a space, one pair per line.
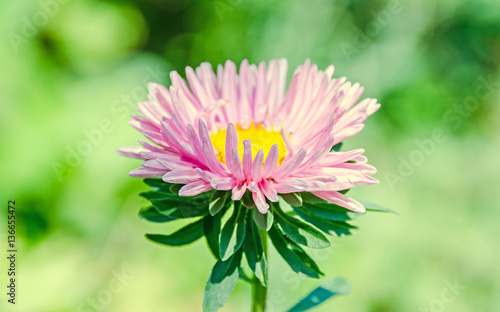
238, 191
257, 166
247, 158
271, 161
341, 200
147, 173
181, 176
131, 151
260, 202
195, 188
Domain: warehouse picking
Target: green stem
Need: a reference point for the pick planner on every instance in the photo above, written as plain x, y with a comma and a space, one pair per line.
259, 292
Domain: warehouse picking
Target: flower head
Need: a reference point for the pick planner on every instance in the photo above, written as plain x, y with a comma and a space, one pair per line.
244, 131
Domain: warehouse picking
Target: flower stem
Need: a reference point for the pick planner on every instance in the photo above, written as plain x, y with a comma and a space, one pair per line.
259, 292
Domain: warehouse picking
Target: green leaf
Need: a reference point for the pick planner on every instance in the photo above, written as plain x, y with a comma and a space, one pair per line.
183, 207
338, 228
337, 147
298, 231
295, 256
327, 210
332, 288
217, 202
211, 229
376, 208
233, 232
294, 199
184, 236
151, 214
263, 221
221, 283
158, 185
153, 195
252, 246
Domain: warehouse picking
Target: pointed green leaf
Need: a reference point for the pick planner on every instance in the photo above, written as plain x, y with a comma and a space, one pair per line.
298, 231
295, 256
337, 228
233, 232
221, 283
184, 236
217, 202
211, 228
151, 214
376, 208
252, 246
263, 221
294, 199
332, 288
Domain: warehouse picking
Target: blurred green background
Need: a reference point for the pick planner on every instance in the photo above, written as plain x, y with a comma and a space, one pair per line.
72, 71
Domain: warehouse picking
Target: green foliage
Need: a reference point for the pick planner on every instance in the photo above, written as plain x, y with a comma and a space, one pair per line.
217, 202
221, 282
294, 199
211, 229
295, 256
298, 231
328, 290
312, 218
233, 232
151, 214
263, 221
184, 236
254, 252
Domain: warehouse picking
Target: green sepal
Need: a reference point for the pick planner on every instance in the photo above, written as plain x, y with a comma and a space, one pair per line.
221, 282
299, 232
295, 256
151, 214
252, 246
330, 289
263, 221
233, 232
183, 236
294, 199
247, 200
217, 202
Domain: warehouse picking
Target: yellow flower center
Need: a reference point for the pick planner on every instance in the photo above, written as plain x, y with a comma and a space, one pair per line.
259, 136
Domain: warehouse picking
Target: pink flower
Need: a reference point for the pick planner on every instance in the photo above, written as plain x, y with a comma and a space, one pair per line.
245, 132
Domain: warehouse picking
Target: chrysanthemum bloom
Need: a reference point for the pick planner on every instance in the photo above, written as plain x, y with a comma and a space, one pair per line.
246, 132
